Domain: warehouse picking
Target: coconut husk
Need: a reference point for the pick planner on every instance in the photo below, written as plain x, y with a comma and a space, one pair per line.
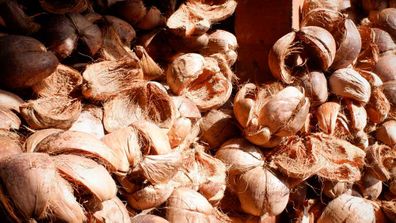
113, 211
51, 112
142, 101
34, 139
90, 121
10, 100
8, 119
151, 196
105, 79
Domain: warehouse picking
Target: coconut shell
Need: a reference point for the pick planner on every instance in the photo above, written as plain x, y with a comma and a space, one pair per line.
186, 205
148, 218
124, 30
34, 139
105, 79
16, 20
90, 121
327, 115
378, 107
315, 86
8, 119
84, 172
153, 140
386, 133
62, 82
51, 112
385, 67
377, 161
359, 210
261, 192
25, 61
333, 189
10, 101
151, 196
151, 69
79, 143
113, 211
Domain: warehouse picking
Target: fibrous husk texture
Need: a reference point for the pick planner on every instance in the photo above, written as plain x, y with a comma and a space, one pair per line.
142, 100
51, 112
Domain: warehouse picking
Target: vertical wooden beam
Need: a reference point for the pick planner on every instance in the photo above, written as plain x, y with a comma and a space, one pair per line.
258, 24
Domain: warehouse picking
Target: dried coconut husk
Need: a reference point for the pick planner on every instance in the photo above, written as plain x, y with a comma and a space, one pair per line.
36, 173
389, 208
83, 144
153, 140
63, 32
9, 147
30, 56
342, 159
186, 205
148, 218
357, 115
358, 210
389, 89
315, 86
344, 31
152, 19
199, 79
51, 112
186, 108
369, 186
85, 173
113, 210
260, 192
129, 141
159, 168
8, 119
105, 79
10, 100
379, 161
142, 101
239, 156
124, 30
297, 158
309, 48
383, 40
218, 126
16, 20
90, 121
34, 139
194, 18
310, 5
386, 19
64, 6
386, 133
151, 196
378, 107
151, 70
327, 115
348, 83
385, 68
333, 189
63, 82
131, 10
222, 42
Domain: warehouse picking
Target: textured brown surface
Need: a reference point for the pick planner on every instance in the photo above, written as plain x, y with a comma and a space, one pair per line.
258, 24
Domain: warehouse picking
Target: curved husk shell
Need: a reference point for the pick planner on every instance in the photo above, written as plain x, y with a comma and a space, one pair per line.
386, 19
359, 210
8, 119
378, 157
383, 40
62, 82
348, 83
9, 147
151, 69
105, 79
13, 17
239, 156
217, 126
34, 139
386, 133
160, 168
132, 10
260, 192
124, 30
378, 107
310, 5
186, 205
148, 218
29, 56
86, 173
152, 19
51, 112
315, 86
10, 101
333, 189
113, 211
151, 196
143, 100
385, 67
62, 7
389, 89
327, 115
90, 121
84, 144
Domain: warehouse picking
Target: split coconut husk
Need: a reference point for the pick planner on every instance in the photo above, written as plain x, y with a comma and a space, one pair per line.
90, 121
8, 119
10, 100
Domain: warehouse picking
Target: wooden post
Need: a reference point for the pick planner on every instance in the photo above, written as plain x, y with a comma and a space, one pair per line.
258, 24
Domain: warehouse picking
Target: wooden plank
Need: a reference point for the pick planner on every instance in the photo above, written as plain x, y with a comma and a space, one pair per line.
258, 24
